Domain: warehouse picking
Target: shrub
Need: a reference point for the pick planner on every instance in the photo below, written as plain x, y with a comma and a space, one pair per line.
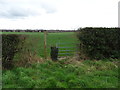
99, 43
10, 46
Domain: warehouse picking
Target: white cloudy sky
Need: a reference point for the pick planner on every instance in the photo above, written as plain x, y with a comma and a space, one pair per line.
58, 14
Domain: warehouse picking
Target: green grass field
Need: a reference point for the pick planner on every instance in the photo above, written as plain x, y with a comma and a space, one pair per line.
35, 40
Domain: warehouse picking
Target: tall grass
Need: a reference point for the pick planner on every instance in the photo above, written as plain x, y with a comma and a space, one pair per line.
87, 74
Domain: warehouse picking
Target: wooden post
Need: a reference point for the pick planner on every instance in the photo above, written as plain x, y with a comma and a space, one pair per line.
45, 44
54, 53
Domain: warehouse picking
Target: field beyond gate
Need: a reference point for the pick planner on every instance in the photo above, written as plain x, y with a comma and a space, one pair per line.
35, 40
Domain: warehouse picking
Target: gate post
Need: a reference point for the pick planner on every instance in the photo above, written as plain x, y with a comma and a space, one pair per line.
54, 53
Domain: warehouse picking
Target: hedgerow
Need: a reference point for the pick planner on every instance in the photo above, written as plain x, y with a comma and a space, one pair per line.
99, 43
11, 44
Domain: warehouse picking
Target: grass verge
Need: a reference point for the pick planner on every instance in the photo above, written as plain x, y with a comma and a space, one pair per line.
85, 74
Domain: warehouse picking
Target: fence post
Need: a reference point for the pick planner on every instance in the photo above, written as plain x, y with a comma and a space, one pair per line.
54, 53
45, 44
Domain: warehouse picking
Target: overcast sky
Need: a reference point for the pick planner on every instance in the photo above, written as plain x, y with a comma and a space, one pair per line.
58, 14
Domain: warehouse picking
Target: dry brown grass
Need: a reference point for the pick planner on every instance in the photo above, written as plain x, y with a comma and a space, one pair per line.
27, 58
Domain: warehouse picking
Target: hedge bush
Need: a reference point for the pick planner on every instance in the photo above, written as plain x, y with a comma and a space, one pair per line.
10, 46
99, 43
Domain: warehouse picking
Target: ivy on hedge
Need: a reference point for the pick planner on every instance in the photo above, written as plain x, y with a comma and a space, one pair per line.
99, 43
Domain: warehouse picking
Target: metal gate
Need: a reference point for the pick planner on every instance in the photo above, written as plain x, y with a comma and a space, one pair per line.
66, 49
